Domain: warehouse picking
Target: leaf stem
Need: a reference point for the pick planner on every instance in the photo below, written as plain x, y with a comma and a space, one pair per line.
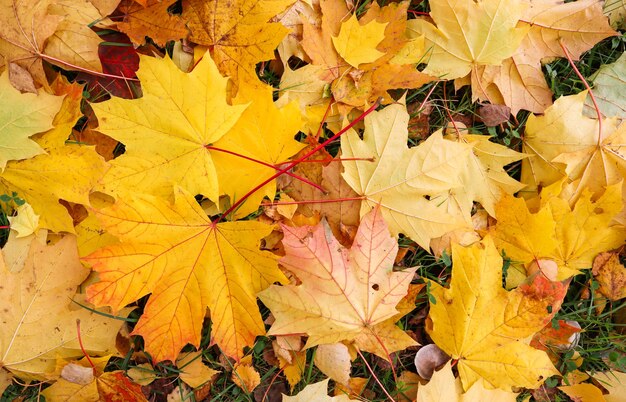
80, 342
260, 162
374, 375
297, 161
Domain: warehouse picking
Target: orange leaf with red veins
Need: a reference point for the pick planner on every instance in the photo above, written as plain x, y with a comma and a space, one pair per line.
187, 263
344, 292
562, 337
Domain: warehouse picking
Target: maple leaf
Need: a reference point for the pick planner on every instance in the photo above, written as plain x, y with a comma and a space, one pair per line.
469, 34
256, 136
188, 263
165, 133
356, 43
150, 20
379, 35
73, 42
44, 179
23, 116
80, 382
485, 327
24, 28
609, 88
564, 142
571, 236
344, 293
611, 275
399, 178
37, 292
443, 387
317, 392
519, 82
238, 32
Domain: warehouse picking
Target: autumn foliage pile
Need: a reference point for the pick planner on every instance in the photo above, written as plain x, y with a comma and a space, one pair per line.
153, 177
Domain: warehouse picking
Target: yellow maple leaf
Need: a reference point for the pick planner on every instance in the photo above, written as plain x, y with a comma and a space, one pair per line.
188, 263
22, 116
167, 130
470, 33
238, 32
344, 293
564, 142
42, 327
571, 236
443, 387
317, 392
356, 43
399, 178
487, 328
258, 136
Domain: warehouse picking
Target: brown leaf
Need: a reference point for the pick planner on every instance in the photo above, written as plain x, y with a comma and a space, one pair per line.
611, 275
494, 115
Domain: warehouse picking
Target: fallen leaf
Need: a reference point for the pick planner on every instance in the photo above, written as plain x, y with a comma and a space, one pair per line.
354, 283
564, 142
485, 327
245, 376
237, 31
609, 88
571, 236
615, 383
46, 285
611, 275
317, 392
26, 222
357, 43
469, 34
399, 179
583, 393
74, 45
24, 28
188, 263
23, 116
164, 133
334, 361
80, 382
150, 20
192, 371
257, 136
443, 387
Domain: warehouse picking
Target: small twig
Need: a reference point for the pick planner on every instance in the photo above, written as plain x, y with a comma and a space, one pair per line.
80, 342
374, 375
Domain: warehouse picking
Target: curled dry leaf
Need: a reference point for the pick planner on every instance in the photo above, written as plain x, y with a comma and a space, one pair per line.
428, 358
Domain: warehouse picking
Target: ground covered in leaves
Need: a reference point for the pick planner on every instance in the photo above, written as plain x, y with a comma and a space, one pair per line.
312, 200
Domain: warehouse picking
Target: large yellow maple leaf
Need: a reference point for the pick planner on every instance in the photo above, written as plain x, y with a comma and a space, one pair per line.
264, 133
571, 236
344, 293
167, 130
469, 34
564, 142
238, 32
399, 178
38, 317
188, 263
487, 328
